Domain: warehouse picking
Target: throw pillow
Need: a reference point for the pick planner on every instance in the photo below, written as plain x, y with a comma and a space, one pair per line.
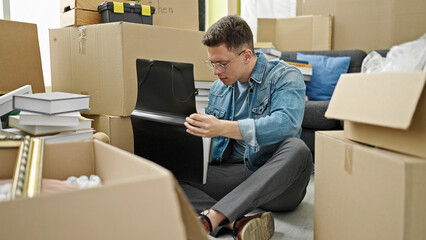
325, 74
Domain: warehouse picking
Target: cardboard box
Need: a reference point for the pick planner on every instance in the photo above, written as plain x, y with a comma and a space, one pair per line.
362, 192
370, 25
296, 33
102, 63
119, 130
81, 12
168, 13
138, 199
20, 62
175, 13
383, 109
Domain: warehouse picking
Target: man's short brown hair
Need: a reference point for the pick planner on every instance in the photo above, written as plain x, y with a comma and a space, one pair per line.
231, 30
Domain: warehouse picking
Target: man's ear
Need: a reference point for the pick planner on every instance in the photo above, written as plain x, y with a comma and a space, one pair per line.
248, 55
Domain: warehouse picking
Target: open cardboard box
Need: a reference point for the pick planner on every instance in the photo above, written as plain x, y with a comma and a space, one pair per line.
364, 192
138, 199
387, 110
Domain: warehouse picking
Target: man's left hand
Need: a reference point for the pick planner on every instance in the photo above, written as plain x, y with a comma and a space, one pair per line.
203, 125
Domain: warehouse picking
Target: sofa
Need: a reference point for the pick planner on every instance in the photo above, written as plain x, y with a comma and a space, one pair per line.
314, 119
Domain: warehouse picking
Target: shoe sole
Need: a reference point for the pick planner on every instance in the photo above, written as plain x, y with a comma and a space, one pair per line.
259, 228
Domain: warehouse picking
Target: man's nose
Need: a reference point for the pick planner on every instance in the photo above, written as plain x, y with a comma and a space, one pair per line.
216, 71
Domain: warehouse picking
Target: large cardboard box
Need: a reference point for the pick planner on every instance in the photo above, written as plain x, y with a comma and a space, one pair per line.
383, 109
168, 13
138, 199
119, 130
362, 192
20, 62
296, 33
175, 13
100, 60
370, 25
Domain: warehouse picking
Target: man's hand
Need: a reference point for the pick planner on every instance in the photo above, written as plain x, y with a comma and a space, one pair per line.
204, 125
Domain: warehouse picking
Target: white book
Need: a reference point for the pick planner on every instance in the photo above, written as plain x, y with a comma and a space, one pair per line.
201, 98
203, 92
68, 136
12, 132
61, 119
83, 124
54, 138
51, 102
203, 84
6, 101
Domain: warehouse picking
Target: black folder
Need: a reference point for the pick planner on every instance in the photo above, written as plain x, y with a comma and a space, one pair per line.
166, 95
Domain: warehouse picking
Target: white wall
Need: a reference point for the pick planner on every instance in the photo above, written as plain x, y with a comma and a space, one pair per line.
1, 9
46, 15
251, 10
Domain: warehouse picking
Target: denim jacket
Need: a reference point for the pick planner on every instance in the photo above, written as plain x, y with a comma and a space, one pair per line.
276, 107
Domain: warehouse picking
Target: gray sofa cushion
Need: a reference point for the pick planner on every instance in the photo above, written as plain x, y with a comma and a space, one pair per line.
356, 56
314, 116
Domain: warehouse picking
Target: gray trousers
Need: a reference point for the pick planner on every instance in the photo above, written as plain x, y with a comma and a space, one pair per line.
232, 189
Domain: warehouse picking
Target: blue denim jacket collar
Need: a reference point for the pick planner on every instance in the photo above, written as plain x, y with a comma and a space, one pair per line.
259, 69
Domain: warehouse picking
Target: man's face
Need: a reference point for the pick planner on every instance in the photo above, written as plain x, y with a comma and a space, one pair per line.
233, 63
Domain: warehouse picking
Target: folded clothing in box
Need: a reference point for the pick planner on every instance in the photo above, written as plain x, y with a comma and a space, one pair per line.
125, 12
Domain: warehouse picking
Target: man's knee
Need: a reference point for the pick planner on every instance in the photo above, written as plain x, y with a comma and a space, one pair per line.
296, 149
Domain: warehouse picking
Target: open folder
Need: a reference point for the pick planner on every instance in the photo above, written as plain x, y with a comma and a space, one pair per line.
166, 96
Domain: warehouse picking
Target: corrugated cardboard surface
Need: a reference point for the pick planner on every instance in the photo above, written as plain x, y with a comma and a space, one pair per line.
119, 130
91, 5
383, 109
362, 192
102, 62
175, 13
370, 25
297, 33
168, 13
20, 62
79, 17
137, 200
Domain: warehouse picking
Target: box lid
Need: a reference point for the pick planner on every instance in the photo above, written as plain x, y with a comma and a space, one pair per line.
385, 99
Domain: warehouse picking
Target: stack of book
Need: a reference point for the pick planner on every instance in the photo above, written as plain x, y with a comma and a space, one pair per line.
303, 66
54, 116
202, 97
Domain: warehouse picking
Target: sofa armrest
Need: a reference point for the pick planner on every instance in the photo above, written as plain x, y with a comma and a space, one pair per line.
314, 116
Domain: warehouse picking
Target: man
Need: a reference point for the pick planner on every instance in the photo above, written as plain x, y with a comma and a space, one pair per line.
254, 116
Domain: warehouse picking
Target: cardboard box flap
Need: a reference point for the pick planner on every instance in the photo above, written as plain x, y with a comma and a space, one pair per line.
384, 99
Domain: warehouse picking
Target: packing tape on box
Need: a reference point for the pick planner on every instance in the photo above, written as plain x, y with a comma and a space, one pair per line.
118, 7
146, 10
82, 37
349, 152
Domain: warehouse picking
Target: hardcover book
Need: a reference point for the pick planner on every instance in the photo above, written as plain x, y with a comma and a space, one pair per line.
61, 119
84, 123
51, 102
71, 136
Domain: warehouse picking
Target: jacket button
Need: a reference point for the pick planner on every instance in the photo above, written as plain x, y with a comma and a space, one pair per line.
251, 89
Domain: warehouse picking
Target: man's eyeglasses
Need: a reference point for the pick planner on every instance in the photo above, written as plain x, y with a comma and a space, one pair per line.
219, 66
